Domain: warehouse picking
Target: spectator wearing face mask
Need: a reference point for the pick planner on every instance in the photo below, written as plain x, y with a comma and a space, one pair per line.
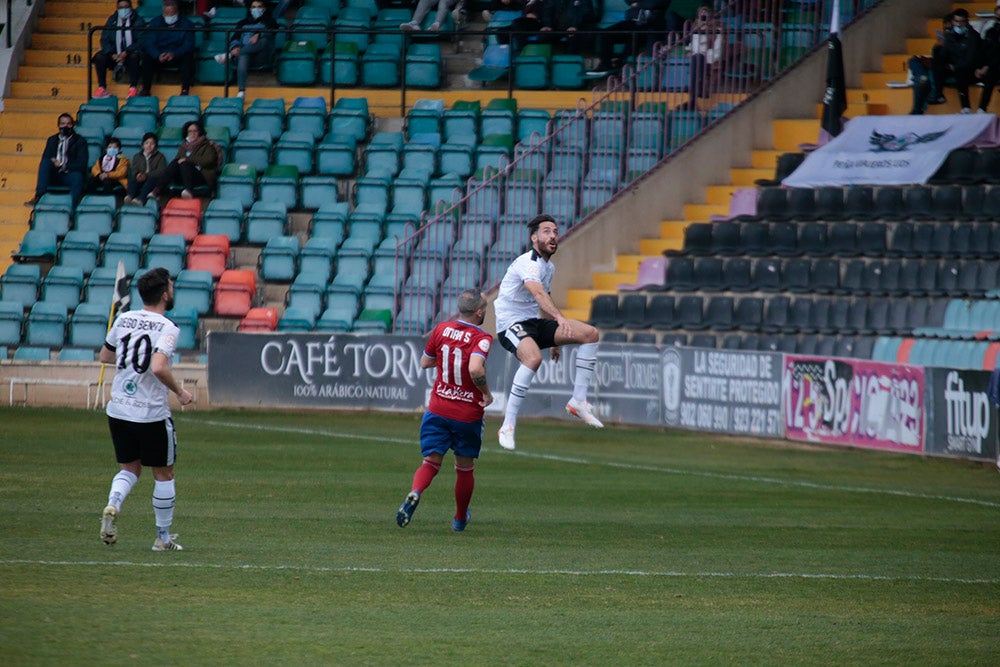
252, 44
168, 43
109, 175
121, 49
961, 55
64, 162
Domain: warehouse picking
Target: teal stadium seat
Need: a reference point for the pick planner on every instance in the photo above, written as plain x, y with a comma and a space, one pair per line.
297, 64
280, 183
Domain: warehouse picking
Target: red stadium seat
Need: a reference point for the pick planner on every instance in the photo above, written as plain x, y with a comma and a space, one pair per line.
181, 216
209, 252
260, 319
235, 292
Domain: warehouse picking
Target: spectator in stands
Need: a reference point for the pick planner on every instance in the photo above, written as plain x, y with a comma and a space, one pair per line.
196, 164
926, 90
252, 44
502, 6
64, 162
989, 72
706, 52
145, 171
644, 20
121, 49
423, 9
961, 55
109, 175
575, 17
525, 28
168, 43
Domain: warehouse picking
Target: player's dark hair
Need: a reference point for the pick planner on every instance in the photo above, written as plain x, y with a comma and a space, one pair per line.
961, 11
469, 301
66, 114
153, 285
151, 135
537, 221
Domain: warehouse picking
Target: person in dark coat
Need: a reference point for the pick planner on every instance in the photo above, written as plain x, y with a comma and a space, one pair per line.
961, 55
121, 49
65, 161
168, 43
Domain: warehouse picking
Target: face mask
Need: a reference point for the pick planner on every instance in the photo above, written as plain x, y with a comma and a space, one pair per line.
124, 13
112, 152
256, 12
65, 131
170, 20
960, 29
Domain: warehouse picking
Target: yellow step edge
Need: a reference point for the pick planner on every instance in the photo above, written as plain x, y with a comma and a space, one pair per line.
765, 158
745, 178
920, 45
896, 62
580, 298
703, 212
790, 133
610, 281
673, 229
720, 195
54, 73
658, 246
629, 263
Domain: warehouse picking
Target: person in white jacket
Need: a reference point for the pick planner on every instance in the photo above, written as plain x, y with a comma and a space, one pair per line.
706, 53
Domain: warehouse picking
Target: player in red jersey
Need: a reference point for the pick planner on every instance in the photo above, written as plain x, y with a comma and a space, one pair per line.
454, 416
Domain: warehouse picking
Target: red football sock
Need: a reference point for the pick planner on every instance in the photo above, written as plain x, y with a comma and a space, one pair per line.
465, 482
425, 475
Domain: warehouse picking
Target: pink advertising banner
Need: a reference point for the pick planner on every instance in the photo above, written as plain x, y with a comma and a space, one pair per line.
854, 402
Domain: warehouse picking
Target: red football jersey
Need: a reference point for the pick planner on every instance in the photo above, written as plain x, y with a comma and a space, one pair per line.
452, 344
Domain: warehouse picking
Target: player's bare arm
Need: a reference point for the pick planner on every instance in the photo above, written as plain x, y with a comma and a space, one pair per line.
161, 369
477, 371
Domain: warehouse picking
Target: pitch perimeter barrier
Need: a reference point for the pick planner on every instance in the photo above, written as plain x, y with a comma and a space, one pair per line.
848, 402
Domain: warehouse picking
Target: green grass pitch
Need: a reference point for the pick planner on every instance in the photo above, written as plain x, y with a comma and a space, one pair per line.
623, 546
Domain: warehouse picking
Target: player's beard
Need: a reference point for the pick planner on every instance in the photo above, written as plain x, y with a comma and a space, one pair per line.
170, 303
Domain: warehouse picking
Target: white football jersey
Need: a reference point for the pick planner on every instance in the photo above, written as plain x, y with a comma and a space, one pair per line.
136, 394
514, 303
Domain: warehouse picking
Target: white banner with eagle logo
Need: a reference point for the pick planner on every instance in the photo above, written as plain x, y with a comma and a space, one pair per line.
893, 150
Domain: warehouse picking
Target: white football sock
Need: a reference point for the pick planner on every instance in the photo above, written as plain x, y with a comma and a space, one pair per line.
121, 485
586, 359
518, 390
164, 496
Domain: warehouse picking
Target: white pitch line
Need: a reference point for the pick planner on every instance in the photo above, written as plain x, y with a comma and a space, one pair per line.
625, 466
831, 576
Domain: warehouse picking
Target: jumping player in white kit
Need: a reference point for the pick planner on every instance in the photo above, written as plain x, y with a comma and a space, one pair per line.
528, 322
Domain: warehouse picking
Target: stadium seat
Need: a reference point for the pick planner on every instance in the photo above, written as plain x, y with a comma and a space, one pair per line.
209, 253
181, 217
235, 293
238, 182
166, 250
279, 258
259, 319
295, 148
79, 249
186, 320
124, 247
264, 221
12, 322
297, 64
280, 184
63, 285
46, 325
265, 115
193, 289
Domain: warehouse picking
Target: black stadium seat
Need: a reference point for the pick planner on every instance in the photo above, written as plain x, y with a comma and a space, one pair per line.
753, 238
813, 240
830, 204
859, 204
604, 312
660, 312
749, 313
736, 275
889, 204
719, 313
632, 310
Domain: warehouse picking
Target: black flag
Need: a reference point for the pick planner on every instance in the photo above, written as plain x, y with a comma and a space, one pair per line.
835, 97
